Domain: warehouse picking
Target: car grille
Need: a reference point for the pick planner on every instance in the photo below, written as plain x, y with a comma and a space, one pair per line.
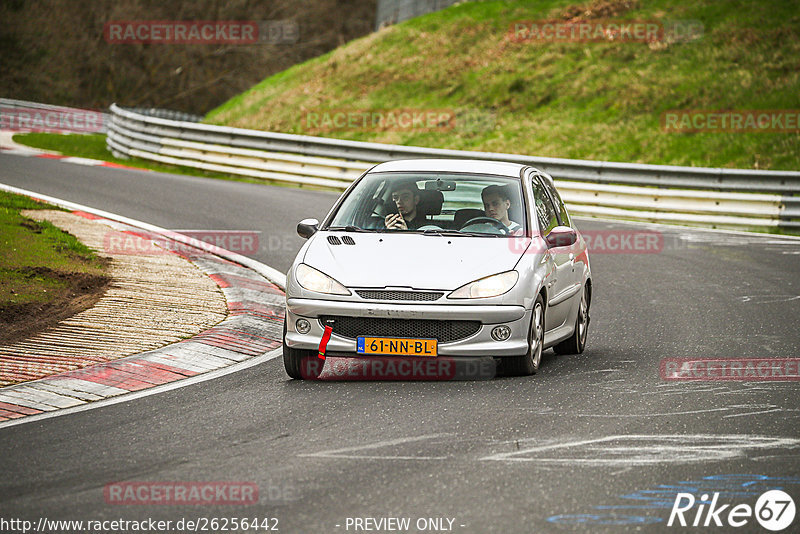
444, 331
425, 296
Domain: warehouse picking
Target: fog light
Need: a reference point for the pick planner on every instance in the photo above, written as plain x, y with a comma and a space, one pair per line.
303, 326
501, 333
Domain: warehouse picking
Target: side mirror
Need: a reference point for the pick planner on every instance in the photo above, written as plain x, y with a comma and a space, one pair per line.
307, 227
561, 236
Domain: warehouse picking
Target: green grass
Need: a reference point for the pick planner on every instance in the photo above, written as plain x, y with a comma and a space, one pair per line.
93, 146
36, 258
596, 101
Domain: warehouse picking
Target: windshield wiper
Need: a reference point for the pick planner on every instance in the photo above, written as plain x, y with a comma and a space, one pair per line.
480, 234
348, 228
431, 231
458, 233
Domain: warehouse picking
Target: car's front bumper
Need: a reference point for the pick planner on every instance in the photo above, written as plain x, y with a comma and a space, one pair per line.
478, 344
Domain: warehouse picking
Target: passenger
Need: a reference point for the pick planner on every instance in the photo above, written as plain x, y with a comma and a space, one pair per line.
406, 196
496, 203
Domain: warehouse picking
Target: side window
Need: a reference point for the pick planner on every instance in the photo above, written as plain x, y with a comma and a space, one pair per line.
559, 204
544, 207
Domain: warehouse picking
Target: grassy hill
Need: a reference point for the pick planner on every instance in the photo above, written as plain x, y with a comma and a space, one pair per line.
585, 100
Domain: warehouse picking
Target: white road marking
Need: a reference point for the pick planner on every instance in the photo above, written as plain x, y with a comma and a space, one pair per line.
769, 410
768, 299
341, 453
663, 414
639, 450
82, 161
754, 410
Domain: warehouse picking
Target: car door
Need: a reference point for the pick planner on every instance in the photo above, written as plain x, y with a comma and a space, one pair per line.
577, 257
560, 280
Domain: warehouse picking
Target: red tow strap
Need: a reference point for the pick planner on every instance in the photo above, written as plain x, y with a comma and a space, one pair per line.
323, 344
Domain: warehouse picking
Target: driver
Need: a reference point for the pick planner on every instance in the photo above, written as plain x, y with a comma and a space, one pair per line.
496, 203
405, 194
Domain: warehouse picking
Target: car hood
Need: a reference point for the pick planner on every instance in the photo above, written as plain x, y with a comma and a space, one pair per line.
412, 260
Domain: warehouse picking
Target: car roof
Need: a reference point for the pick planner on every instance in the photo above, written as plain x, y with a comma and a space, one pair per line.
500, 168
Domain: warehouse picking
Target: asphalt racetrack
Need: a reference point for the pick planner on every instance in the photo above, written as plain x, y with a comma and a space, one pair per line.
598, 442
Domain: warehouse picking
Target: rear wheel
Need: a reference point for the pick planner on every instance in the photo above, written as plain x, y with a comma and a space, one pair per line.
300, 364
529, 363
577, 342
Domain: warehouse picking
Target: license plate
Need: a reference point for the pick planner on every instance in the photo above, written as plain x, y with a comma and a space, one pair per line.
397, 346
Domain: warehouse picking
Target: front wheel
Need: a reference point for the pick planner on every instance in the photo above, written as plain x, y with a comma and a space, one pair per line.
577, 342
301, 364
529, 363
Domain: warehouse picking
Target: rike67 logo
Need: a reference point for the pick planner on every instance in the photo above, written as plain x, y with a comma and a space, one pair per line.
774, 510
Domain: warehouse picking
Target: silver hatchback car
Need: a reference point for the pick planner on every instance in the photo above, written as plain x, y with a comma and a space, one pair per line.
439, 258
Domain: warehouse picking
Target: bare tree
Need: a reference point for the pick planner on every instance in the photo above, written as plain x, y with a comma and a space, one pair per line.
55, 51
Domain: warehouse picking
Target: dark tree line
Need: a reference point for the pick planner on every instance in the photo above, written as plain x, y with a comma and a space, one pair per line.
55, 51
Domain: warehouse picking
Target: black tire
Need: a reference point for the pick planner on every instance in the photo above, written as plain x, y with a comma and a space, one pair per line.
300, 364
577, 342
529, 363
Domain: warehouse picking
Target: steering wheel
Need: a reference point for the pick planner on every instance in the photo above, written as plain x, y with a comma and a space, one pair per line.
494, 222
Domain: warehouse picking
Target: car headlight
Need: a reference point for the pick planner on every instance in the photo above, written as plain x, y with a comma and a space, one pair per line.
491, 286
314, 280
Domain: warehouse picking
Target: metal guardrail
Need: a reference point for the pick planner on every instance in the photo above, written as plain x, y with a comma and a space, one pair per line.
33, 116
167, 114
726, 198
394, 11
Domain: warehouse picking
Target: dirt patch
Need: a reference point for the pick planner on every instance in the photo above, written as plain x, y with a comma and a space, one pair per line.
79, 292
599, 9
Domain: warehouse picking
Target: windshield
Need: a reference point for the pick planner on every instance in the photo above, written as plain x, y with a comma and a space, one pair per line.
436, 203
